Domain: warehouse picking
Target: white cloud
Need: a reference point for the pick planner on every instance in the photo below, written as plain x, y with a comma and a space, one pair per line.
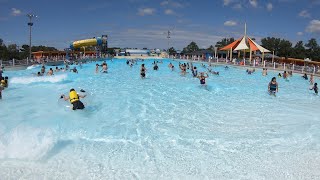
314, 26
304, 14
169, 12
269, 7
146, 11
152, 38
172, 4
237, 6
253, 3
177, 5
226, 2
164, 3
15, 12
230, 23
299, 33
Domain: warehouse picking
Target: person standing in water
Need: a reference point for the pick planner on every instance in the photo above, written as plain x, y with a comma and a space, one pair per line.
43, 69
194, 71
155, 67
50, 72
97, 68
143, 71
305, 76
273, 86
202, 78
264, 72
104, 67
285, 75
315, 88
311, 79
1, 71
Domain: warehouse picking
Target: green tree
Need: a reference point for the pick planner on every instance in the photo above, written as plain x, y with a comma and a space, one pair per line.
4, 54
272, 44
285, 48
191, 48
24, 51
13, 51
224, 42
299, 51
43, 48
172, 51
313, 49
211, 48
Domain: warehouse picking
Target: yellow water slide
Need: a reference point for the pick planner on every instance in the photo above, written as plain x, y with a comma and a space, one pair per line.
97, 41
85, 42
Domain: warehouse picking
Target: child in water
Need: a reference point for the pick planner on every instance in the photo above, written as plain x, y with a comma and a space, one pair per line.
315, 88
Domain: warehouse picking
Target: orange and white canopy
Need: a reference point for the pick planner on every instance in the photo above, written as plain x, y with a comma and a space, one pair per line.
244, 43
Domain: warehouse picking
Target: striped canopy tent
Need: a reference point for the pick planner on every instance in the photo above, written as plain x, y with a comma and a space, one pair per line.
245, 44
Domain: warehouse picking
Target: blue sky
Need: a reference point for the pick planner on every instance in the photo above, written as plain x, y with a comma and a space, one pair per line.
143, 23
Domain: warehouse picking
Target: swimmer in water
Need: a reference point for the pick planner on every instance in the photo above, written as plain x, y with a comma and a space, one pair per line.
264, 72
213, 72
202, 78
50, 72
143, 71
194, 72
97, 68
305, 76
273, 86
74, 70
311, 79
43, 69
74, 98
104, 67
171, 66
285, 75
315, 88
155, 67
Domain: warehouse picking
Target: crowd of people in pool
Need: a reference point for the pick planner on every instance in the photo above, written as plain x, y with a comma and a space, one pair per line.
273, 85
74, 97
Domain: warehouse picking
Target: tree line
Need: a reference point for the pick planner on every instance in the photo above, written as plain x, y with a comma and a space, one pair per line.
13, 51
281, 48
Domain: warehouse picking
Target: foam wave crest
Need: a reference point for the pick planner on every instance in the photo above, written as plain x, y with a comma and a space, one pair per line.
29, 80
26, 143
32, 67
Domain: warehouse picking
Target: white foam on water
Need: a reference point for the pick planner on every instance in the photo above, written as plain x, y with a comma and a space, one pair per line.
34, 79
26, 143
32, 67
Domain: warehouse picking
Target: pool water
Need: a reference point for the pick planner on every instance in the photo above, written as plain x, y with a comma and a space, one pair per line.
163, 127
